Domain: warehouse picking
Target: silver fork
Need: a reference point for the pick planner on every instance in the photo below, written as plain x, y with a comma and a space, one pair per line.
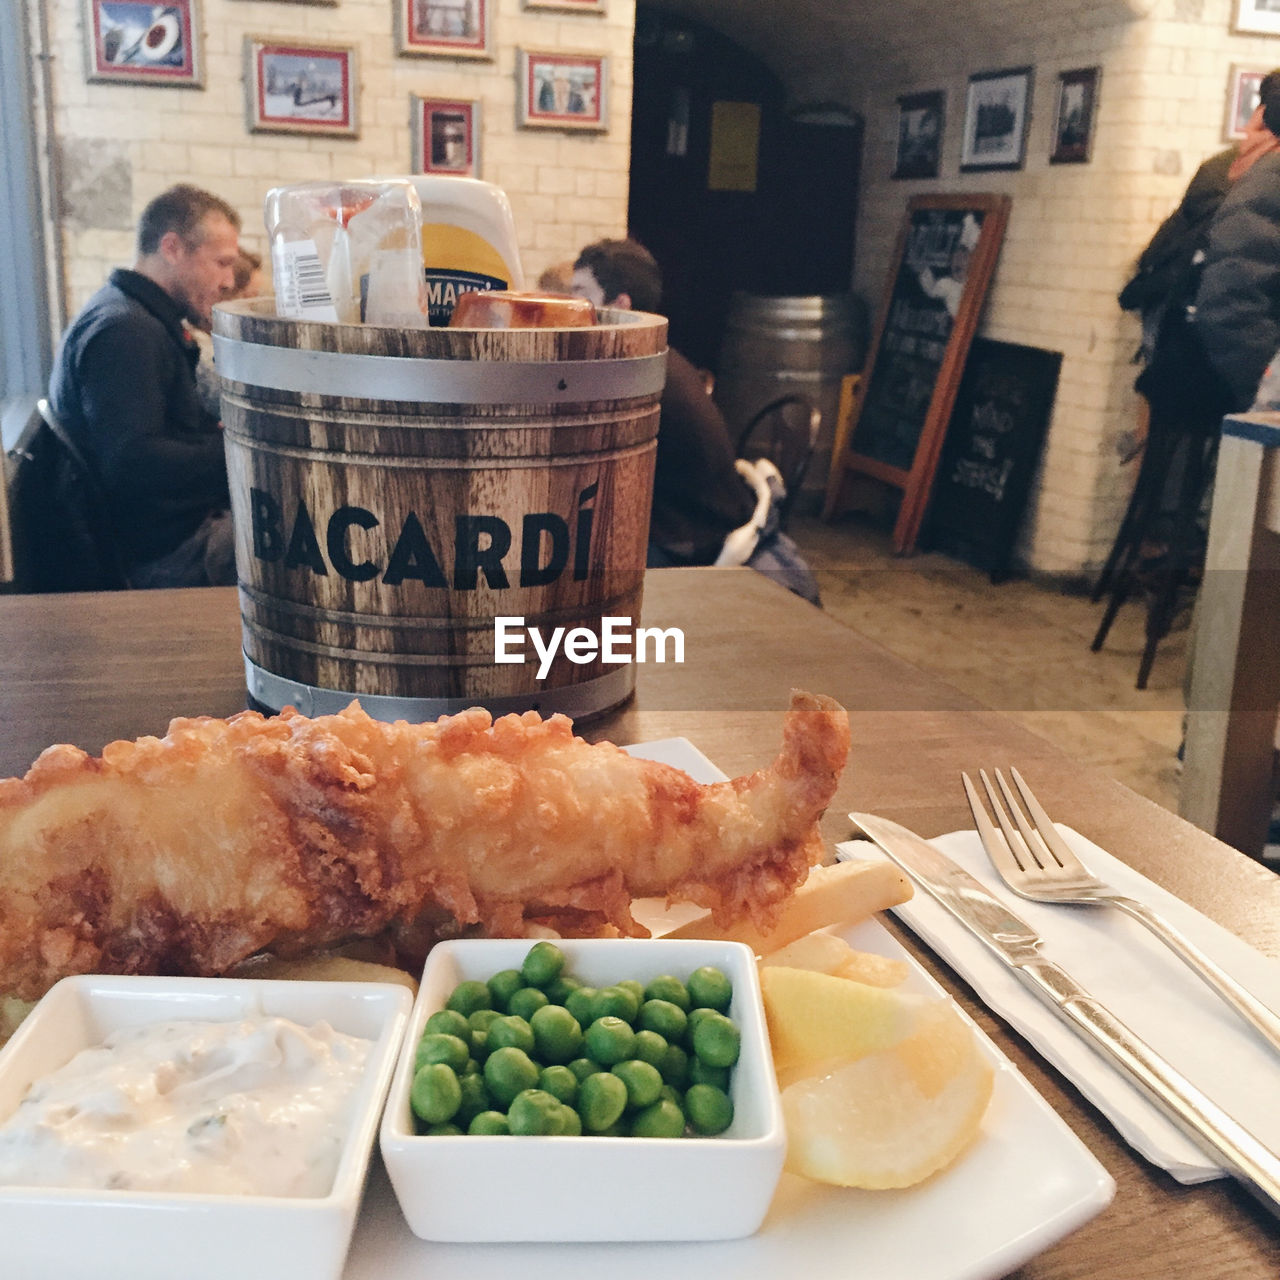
1037, 863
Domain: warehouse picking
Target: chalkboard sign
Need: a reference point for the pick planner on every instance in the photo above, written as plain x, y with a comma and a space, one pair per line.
946, 253
992, 449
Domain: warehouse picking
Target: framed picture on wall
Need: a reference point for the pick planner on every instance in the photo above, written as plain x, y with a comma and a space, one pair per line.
567, 6
446, 136
1242, 99
1074, 114
297, 87
921, 123
1256, 17
144, 43
996, 113
562, 90
444, 28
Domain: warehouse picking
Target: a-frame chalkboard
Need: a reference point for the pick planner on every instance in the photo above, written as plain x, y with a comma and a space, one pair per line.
945, 257
992, 450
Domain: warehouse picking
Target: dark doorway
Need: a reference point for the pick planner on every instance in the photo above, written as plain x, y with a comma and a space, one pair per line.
728, 190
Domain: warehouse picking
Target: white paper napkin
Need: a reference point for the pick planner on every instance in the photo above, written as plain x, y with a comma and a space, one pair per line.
1139, 979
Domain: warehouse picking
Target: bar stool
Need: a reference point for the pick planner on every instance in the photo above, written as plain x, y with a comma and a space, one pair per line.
1147, 512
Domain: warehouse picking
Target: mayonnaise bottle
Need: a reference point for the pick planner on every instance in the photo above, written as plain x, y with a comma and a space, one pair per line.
468, 240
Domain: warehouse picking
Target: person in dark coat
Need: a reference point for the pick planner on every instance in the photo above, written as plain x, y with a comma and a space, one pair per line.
123, 387
1237, 305
699, 497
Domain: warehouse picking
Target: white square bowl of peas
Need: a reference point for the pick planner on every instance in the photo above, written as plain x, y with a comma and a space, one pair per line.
589, 1089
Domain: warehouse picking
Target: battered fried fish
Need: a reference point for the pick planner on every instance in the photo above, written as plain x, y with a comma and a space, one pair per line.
187, 853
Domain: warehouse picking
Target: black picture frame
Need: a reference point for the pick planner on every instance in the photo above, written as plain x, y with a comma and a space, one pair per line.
1075, 113
922, 120
996, 116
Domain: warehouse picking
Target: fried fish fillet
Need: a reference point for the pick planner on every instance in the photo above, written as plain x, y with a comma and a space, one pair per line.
187, 853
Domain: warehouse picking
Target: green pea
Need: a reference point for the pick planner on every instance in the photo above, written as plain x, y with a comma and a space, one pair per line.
510, 1030
636, 988
489, 1122
534, 1111
701, 1073
668, 988
579, 1004
661, 1119
448, 1022
615, 1002
584, 1067
435, 1094
695, 1017
469, 996
716, 1040
572, 1122
643, 1082
652, 1048
609, 1040
503, 985
602, 1098
480, 1020
447, 1130
543, 964
710, 1110
437, 1047
560, 1082
526, 1002
675, 1066
507, 1071
709, 988
556, 1033
558, 992
672, 1094
667, 1019
475, 1098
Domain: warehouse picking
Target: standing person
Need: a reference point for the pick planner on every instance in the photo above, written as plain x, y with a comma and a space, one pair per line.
699, 497
124, 388
1237, 305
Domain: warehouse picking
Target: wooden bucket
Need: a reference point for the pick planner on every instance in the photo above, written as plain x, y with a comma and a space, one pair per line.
395, 491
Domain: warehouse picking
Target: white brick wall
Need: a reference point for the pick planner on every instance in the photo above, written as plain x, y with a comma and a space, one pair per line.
566, 189
1074, 230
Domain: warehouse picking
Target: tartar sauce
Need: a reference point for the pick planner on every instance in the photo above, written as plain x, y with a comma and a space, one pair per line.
256, 1107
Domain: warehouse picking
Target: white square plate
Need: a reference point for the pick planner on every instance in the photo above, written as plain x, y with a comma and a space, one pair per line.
1025, 1183
59, 1234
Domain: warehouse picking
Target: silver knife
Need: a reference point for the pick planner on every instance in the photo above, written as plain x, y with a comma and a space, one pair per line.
1018, 945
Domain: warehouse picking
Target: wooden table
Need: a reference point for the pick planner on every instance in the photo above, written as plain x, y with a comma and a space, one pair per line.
1227, 782
88, 669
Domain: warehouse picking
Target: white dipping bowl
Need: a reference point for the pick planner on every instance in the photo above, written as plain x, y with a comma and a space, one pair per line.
470, 1188
126, 1235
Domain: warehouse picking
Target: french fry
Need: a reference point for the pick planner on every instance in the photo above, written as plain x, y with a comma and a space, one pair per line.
841, 894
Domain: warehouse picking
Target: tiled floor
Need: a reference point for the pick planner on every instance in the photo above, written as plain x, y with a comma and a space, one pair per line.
1021, 647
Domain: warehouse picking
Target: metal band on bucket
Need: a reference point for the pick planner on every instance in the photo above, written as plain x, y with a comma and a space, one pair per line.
577, 701
431, 381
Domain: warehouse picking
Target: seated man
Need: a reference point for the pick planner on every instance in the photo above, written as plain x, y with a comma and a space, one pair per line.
124, 388
699, 498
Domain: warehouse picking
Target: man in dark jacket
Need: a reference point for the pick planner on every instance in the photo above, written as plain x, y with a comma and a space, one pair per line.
124, 388
698, 497
1237, 311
